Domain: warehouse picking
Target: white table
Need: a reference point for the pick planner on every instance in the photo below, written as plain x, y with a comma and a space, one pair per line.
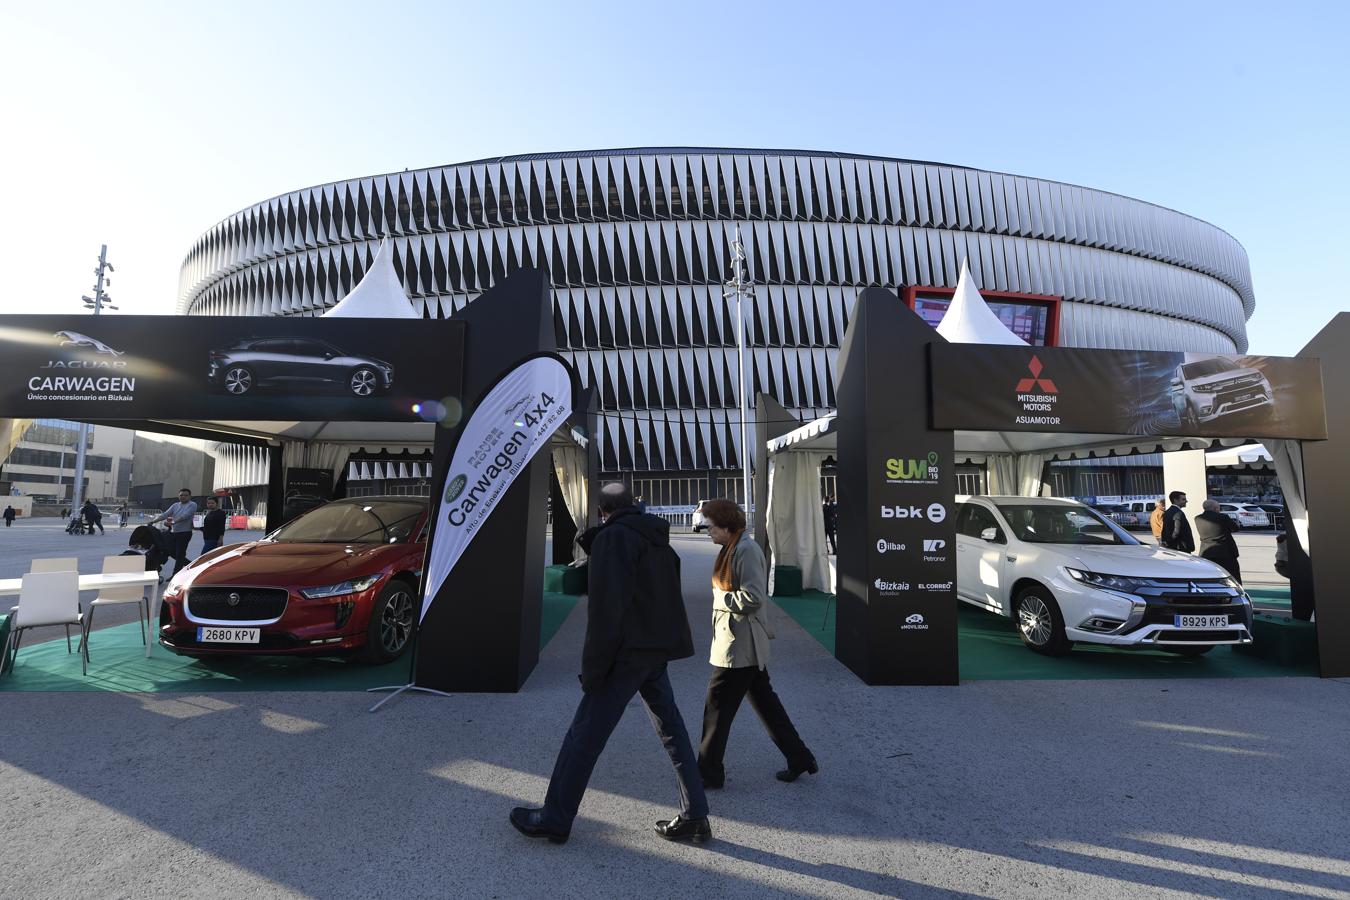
10, 587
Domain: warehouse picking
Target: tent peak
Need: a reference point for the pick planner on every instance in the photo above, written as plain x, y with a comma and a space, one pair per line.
969, 320
379, 295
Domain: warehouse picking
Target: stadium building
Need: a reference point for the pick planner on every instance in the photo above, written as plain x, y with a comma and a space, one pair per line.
637, 244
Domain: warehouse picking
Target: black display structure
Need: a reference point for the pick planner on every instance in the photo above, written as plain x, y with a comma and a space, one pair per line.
896, 578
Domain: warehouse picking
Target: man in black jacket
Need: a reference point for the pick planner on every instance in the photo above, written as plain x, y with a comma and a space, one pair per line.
1176, 527
636, 623
1216, 538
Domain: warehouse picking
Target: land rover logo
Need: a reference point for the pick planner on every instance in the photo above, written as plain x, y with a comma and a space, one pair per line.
233, 599
455, 488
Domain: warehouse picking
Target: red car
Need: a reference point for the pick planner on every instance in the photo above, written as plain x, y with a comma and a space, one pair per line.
342, 578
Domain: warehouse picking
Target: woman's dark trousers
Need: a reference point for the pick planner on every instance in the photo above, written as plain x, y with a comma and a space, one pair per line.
726, 689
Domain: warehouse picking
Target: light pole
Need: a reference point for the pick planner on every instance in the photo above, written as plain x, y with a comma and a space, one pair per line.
739, 286
97, 304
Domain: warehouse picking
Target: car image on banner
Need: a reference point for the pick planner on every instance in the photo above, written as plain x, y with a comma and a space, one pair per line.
339, 579
280, 362
1064, 573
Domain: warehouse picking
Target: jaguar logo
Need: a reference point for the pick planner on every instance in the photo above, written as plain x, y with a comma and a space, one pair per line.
74, 338
233, 599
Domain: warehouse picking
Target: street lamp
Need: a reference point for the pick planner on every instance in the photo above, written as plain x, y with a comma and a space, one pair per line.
739, 286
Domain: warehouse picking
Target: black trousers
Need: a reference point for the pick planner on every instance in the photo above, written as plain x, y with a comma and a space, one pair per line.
595, 720
726, 689
1228, 562
180, 541
829, 536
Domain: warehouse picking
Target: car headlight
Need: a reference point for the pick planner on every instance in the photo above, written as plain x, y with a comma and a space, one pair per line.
1109, 582
351, 586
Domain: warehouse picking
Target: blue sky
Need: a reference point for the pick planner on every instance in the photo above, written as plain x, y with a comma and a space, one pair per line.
142, 124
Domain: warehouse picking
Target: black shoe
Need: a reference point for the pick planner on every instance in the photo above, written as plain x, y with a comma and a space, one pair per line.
792, 772
682, 829
530, 822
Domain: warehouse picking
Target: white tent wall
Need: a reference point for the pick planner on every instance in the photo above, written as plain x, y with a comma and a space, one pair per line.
1030, 467
569, 465
796, 526
1288, 458
1002, 473
1184, 470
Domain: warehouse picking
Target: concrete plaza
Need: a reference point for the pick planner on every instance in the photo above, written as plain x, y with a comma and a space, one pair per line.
1210, 787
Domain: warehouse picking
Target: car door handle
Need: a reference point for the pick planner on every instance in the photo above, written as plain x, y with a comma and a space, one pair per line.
1012, 559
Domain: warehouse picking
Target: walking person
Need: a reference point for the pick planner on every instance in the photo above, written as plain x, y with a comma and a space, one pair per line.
213, 526
9, 515
635, 625
740, 651
179, 519
122, 516
830, 512
1215, 531
1176, 527
93, 516
1155, 519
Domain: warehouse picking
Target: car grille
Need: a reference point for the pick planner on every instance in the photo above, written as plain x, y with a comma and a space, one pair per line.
1162, 613
253, 605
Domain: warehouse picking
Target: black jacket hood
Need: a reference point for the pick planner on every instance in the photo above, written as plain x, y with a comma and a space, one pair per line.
653, 528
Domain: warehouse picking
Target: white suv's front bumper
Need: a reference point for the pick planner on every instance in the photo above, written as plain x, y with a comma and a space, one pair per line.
1100, 616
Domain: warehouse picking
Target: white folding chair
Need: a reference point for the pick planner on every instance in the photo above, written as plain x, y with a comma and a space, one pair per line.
57, 564
46, 598
120, 565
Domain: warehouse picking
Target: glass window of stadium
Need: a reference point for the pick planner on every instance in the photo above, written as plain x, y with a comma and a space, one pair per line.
1033, 319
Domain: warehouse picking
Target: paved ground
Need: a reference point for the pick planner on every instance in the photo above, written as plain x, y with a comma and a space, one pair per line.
993, 789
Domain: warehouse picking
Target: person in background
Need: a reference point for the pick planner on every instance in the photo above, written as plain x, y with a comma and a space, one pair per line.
1215, 531
1176, 527
9, 516
179, 519
830, 512
213, 526
1282, 555
740, 651
1155, 518
635, 625
122, 513
92, 516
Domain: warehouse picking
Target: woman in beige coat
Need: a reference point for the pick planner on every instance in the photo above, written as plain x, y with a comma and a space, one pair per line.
740, 650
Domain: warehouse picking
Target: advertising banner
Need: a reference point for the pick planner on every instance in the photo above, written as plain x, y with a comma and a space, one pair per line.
226, 368
1062, 389
512, 423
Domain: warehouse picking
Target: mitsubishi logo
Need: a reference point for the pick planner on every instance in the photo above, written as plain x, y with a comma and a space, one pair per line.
233, 599
1036, 381
1196, 589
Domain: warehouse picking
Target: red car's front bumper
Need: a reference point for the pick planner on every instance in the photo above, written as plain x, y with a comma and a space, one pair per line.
324, 627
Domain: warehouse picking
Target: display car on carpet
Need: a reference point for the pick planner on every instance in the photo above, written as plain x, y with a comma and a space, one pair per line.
342, 578
1066, 573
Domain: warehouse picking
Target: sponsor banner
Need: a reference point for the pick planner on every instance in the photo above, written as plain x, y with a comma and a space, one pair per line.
509, 426
1061, 389
230, 368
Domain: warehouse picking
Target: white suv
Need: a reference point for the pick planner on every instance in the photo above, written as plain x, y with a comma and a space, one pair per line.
697, 521
1066, 574
1207, 389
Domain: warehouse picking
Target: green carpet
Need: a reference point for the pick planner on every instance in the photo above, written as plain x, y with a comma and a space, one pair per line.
118, 663
990, 650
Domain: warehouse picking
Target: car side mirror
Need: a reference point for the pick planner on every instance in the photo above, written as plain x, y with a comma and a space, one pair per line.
991, 534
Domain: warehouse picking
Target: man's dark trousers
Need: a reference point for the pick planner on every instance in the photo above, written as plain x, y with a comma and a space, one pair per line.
179, 541
595, 720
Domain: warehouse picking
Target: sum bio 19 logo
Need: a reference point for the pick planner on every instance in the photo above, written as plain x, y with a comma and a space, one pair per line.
913, 471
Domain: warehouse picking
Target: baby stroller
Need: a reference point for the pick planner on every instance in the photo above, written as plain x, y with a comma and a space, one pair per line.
76, 525
152, 543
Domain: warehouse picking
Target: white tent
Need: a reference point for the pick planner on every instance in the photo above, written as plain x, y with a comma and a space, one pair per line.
380, 294
969, 320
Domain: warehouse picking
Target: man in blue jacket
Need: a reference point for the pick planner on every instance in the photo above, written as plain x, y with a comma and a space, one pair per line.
636, 624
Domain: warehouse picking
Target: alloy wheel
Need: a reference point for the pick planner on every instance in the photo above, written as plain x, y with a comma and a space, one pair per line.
238, 381
1033, 617
396, 622
363, 382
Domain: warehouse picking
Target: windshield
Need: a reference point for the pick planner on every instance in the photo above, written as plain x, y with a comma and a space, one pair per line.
360, 522
1207, 367
1038, 524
